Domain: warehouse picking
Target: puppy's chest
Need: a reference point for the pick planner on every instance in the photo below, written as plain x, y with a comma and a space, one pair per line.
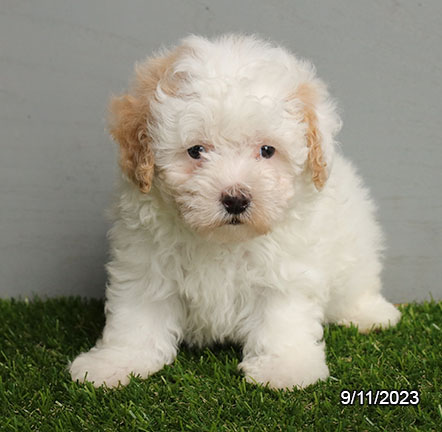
218, 293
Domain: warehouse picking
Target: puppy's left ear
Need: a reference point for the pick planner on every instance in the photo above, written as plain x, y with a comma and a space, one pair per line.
322, 124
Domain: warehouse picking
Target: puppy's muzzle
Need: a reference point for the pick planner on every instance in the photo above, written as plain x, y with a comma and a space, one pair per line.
235, 204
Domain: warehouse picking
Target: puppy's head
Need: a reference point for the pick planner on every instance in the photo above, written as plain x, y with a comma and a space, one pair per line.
228, 130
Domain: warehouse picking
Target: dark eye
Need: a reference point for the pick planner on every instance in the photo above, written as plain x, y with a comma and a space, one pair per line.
267, 151
195, 151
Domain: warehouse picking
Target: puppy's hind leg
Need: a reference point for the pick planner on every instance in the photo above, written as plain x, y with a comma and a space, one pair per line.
140, 337
362, 305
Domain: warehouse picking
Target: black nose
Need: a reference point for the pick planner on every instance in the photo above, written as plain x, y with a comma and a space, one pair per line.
235, 204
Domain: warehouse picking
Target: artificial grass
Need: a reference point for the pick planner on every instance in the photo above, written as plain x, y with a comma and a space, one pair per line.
202, 390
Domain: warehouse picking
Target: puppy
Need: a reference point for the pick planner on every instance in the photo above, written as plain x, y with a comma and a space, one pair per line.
237, 219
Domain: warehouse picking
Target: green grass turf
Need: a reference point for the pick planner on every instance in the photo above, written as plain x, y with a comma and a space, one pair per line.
202, 390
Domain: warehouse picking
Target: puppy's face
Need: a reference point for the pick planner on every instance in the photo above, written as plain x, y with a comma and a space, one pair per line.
225, 130
230, 190
230, 174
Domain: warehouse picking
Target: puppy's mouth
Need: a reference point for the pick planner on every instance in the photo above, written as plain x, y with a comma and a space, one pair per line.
234, 221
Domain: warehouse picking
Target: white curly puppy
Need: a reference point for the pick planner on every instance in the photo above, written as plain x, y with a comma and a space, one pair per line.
237, 219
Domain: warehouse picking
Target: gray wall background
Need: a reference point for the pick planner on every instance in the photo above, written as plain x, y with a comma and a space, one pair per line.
60, 61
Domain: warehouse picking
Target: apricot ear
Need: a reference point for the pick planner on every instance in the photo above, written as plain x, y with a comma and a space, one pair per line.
130, 117
128, 126
307, 94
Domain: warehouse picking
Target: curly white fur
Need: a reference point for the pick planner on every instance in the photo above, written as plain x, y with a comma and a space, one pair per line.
300, 257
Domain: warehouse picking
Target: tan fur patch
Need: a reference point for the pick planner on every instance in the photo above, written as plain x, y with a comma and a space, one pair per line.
306, 93
130, 115
261, 225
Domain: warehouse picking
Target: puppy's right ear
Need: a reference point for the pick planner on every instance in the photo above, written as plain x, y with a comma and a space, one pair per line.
130, 117
128, 126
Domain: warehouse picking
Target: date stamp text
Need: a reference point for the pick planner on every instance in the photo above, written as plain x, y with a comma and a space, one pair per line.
380, 397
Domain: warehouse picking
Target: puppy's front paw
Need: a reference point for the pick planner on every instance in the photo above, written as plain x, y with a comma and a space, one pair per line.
110, 367
284, 371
